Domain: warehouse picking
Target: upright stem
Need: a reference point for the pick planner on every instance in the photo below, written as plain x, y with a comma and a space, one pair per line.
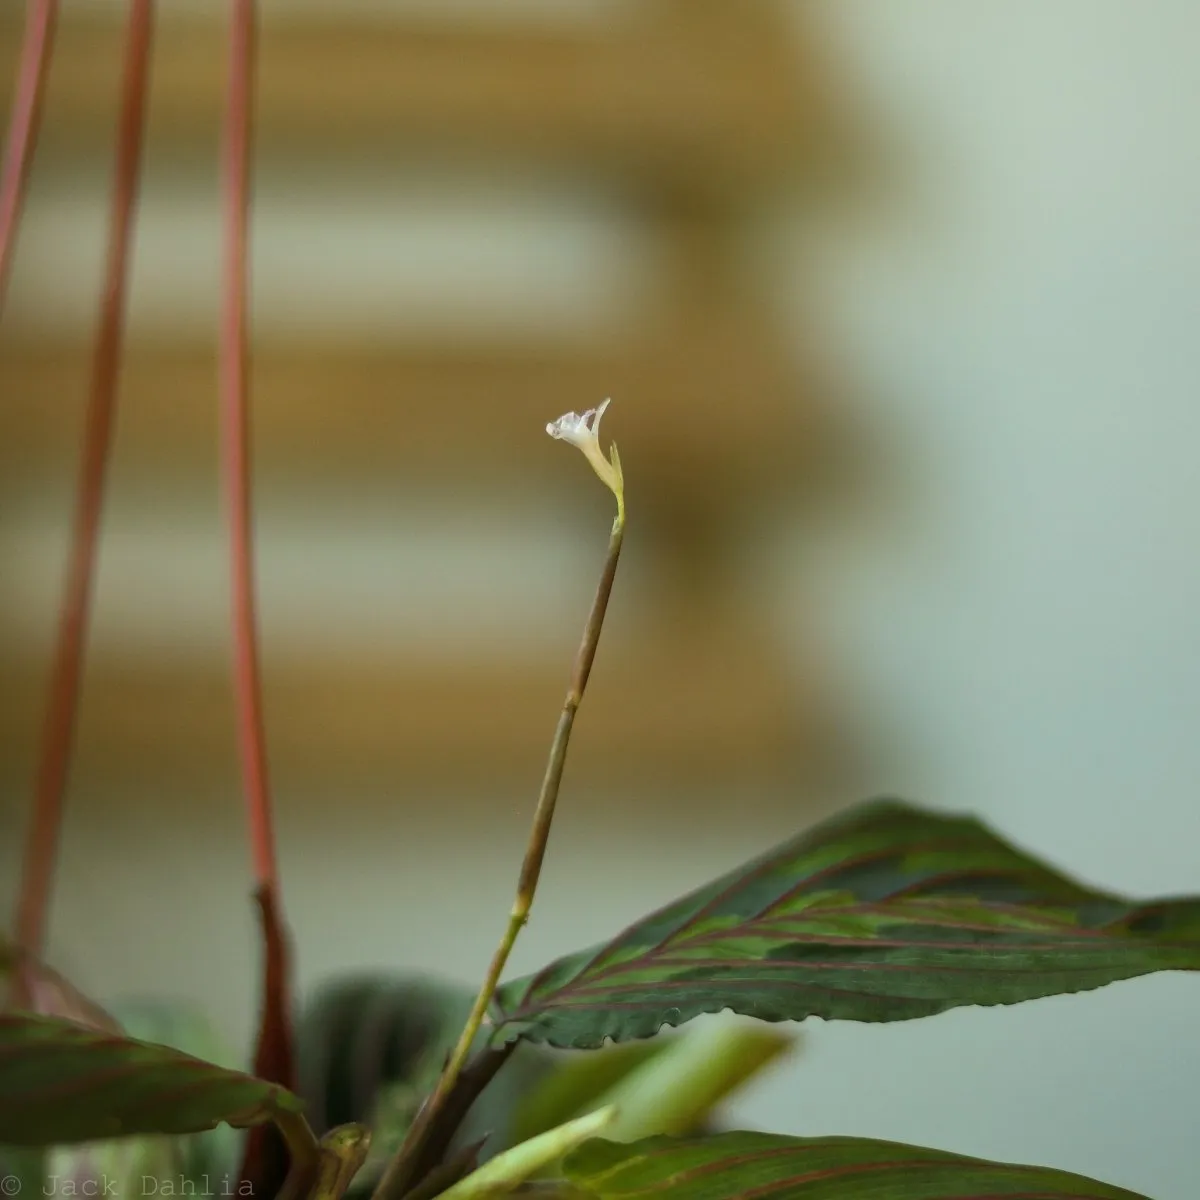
59, 728
234, 359
265, 1158
401, 1174
41, 17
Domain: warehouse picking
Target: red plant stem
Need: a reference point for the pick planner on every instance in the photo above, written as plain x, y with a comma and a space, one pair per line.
266, 1156
59, 729
41, 16
236, 438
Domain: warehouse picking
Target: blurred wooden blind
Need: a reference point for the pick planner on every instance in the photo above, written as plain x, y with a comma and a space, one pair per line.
693, 110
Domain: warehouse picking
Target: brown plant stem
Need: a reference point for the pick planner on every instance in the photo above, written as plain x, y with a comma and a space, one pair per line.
265, 1162
59, 728
401, 1173
41, 18
431, 1170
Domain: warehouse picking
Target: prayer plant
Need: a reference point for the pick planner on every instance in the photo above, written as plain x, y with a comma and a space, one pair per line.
407, 1089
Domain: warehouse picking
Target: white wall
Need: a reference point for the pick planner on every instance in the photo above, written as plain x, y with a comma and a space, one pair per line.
1025, 324
1021, 319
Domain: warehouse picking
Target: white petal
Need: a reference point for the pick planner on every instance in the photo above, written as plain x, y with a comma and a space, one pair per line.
597, 413
570, 427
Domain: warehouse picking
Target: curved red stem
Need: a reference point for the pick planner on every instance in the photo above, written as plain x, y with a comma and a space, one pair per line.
264, 1163
41, 17
59, 729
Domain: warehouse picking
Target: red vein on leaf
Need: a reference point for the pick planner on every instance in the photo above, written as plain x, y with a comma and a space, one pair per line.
769, 862
843, 1170
87, 1084
923, 913
996, 945
938, 845
1056, 1194
265, 1155
1154, 908
59, 729
660, 955
1067, 891
1048, 915
606, 999
211, 1088
992, 936
776, 966
670, 1149
783, 931
1039, 1195
852, 1170
772, 861
786, 974
41, 18
754, 1158
704, 1002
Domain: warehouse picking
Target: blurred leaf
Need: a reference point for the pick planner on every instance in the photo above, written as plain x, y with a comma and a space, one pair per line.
26, 1167
669, 1084
371, 1048
526, 1159
885, 913
733, 1166
675, 1093
60, 1083
577, 1081
41, 989
360, 1033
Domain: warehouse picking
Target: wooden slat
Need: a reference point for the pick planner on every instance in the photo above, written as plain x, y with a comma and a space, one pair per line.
702, 412
669, 706
668, 99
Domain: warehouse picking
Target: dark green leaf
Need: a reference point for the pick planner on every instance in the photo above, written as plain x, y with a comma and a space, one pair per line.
884, 913
371, 1048
766, 1166
61, 1083
359, 1035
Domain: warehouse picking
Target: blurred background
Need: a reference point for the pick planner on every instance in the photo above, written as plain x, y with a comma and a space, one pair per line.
897, 308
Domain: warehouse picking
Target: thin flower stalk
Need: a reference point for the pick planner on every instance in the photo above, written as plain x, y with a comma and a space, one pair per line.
582, 431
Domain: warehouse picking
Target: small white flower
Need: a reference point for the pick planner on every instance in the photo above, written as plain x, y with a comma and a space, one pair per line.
582, 430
